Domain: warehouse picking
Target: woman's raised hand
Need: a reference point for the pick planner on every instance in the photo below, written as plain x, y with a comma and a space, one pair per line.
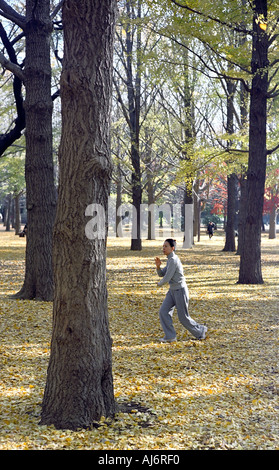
157, 262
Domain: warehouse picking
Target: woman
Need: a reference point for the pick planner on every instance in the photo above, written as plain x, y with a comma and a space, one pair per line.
177, 296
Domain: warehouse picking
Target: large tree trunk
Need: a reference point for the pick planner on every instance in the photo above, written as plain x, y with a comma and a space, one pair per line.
250, 259
79, 387
40, 190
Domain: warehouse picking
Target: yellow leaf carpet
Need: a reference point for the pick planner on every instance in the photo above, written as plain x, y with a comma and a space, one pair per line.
221, 393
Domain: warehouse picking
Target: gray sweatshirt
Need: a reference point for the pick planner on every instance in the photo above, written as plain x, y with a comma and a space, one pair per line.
172, 273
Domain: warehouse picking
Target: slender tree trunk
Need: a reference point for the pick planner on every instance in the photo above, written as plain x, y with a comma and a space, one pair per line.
5, 212
242, 181
13, 213
231, 179
250, 259
9, 210
40, 190
188, 214
187, 153
134, 98
151, 224
136, 243
196, 200
242, 214
79, 387
17, 214
272, 223
151, 221
230, 226
119, 228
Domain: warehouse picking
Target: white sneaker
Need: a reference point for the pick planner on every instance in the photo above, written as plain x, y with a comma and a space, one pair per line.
204, 333
164, 340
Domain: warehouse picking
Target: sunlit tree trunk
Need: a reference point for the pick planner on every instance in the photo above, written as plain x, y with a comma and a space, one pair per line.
79, 387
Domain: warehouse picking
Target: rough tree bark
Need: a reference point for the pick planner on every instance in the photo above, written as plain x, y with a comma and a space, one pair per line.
250, 259
40, 190
79, 386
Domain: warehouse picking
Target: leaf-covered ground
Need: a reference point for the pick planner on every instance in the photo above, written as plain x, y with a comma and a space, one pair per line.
221, 393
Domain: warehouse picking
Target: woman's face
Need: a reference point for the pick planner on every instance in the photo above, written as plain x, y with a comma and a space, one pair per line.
167, 249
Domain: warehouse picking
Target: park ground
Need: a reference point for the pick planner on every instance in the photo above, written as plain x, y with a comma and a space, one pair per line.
221, 393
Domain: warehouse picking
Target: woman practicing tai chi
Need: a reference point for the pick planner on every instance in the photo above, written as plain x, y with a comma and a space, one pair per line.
177, 296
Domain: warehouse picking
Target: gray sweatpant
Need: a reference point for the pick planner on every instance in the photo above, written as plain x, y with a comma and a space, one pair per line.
179, 299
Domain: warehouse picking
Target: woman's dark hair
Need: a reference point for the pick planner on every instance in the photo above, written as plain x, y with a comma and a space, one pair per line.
172, 242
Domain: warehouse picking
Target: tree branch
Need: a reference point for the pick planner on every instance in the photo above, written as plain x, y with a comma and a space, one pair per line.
269, 152
10, 137
56, 9
14, 68
217, 20
205, 63
8, 12
119, 98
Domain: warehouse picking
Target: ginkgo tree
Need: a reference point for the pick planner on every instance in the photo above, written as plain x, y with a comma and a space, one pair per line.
254, 64
79, 386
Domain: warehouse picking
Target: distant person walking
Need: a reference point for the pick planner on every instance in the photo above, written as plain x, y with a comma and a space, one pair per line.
177, 296
210, 229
